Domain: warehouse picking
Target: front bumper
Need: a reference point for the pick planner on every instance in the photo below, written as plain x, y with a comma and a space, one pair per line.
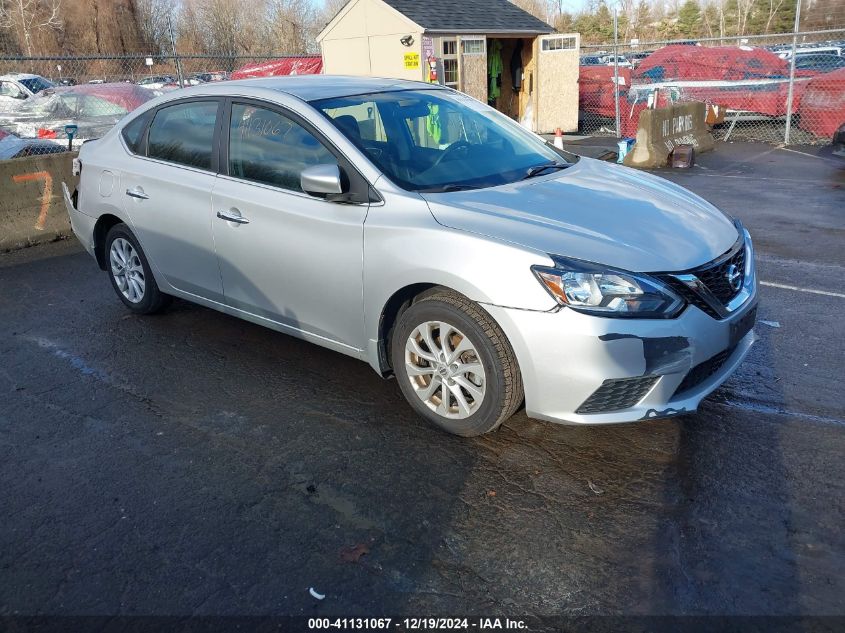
566, 356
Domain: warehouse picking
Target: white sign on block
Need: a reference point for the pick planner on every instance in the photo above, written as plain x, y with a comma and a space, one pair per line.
149, 61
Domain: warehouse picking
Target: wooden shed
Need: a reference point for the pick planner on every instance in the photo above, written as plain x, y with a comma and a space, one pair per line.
490, 49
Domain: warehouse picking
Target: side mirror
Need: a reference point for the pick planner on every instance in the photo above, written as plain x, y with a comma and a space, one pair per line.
321, 180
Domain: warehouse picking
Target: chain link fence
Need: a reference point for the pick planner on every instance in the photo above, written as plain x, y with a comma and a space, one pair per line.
44, 98
783, 88
780, 88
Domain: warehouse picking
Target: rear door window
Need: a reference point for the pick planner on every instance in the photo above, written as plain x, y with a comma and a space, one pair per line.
184, 134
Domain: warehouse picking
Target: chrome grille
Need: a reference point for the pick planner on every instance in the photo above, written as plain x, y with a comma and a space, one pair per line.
715, 277
708, 287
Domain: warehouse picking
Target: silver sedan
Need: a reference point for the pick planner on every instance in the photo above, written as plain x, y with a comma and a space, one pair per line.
416, 229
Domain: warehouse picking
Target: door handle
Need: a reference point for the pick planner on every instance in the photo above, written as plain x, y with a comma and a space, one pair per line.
232, 216
137, 192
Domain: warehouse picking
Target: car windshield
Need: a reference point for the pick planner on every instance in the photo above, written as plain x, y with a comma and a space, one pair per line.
440, 140
36, 84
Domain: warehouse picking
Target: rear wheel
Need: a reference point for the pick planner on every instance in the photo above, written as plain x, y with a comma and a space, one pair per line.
455, 366
130, 273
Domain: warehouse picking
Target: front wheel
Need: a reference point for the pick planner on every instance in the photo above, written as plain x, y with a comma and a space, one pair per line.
455, 366
130, 273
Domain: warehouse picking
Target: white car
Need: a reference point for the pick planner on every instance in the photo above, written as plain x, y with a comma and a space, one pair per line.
157, 82
423, 232
18, 87
818, 50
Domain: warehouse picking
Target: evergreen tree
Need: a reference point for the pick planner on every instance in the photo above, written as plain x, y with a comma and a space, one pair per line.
689, 19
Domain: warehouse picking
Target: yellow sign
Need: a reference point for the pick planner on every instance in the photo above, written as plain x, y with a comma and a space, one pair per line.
412, 61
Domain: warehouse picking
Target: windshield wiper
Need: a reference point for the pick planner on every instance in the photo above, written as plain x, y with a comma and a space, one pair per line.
449, 187
539, 169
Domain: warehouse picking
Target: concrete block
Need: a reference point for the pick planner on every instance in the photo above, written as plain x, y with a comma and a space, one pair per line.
661, 129
31, 205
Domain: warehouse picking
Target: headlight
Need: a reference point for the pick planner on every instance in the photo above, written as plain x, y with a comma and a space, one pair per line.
607, 292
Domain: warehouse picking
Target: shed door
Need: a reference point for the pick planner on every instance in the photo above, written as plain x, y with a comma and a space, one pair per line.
557, 82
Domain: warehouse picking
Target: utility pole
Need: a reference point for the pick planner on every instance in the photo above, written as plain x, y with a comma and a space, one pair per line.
175, 56
616, 70
789, 95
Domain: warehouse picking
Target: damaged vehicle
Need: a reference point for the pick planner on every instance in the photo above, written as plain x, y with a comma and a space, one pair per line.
16, 88
12, 146
93, 108
418, 230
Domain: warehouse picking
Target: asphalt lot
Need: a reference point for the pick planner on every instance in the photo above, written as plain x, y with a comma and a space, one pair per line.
195, 464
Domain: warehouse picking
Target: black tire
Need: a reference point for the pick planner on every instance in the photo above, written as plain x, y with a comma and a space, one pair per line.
153, 300
504, 391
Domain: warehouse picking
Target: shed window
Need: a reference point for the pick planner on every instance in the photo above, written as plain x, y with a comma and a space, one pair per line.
450, 62
558, 43
450, 72
472, 46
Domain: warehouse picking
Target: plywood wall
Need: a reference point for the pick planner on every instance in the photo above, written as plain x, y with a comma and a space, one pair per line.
558, 88
473, 75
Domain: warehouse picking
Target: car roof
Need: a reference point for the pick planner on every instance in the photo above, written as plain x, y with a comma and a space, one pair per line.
20, 76
314, 87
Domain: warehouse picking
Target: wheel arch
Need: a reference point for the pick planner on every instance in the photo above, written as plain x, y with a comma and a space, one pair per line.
393, 308
397, 303
104, 224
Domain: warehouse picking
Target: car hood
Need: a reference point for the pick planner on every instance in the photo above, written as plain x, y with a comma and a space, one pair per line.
598, 212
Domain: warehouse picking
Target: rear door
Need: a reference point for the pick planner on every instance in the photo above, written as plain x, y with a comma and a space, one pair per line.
291, 258
167, 194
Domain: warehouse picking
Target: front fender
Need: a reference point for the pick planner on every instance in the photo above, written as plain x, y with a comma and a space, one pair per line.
404, 245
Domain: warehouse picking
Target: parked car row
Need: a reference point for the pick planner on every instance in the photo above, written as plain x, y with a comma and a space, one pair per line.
810, 59
35, 111
158, 82
92, 108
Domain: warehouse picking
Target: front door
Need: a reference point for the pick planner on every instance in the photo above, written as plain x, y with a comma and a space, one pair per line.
167, 194
287, 256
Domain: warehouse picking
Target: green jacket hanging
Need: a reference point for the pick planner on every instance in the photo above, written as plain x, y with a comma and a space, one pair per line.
432, 123
494, 70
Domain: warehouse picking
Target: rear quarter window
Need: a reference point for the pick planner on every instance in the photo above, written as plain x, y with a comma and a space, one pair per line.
133, 134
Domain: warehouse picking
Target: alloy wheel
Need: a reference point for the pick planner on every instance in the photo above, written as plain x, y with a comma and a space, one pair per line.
445, 370
127, 270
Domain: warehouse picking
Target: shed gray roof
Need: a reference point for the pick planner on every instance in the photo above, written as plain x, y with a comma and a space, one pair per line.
480, 16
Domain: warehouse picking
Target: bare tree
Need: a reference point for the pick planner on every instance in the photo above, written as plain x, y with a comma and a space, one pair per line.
537, 8
221, 27
774, 8
291, 26
744, 9
152, 17
330, 9
28, 17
